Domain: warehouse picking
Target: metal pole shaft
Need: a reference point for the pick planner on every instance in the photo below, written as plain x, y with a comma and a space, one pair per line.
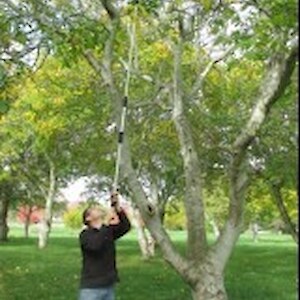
120, 145
131, 31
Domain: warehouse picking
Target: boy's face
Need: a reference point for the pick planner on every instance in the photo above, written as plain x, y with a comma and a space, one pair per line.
95, 215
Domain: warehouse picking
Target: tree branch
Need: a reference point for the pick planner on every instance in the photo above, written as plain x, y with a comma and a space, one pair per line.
194, 207
155, 99
275, 188
276, 80
203, 74
34, 181
152, 220
93, 62
110, 8
135, 72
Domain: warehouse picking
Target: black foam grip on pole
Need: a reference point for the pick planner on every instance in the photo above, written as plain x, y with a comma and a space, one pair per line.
121, 135
125, 101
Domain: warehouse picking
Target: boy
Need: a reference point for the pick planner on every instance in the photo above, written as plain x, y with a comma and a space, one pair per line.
99, 273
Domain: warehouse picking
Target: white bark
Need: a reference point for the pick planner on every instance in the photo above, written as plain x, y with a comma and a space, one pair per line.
210, 285
46, 221
144, 239
143, 243
211, 288
194, 206
43, 233
255, 232
213, 225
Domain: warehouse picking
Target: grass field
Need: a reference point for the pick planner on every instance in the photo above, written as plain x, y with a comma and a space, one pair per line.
257, 271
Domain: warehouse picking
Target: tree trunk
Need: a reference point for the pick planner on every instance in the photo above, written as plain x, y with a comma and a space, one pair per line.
45, 223
211, 288
193, 201
210, 283
43, 234
26, 227
142, 240
145, 241
215, 228
255, 232
151, 244
3, 220
27, 221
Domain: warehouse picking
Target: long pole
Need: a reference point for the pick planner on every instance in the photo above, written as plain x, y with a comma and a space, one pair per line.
124, 111
120, 145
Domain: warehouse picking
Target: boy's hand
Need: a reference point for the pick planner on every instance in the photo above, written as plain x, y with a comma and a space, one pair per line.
114, 198
111, 217
114, 218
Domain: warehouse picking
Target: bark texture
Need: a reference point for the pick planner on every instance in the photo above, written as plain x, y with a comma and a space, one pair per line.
3, 219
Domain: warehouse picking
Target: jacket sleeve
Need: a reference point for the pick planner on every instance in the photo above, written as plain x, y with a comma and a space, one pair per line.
123, 226
92, 241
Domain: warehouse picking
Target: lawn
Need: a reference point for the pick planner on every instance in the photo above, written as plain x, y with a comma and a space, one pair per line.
265, 270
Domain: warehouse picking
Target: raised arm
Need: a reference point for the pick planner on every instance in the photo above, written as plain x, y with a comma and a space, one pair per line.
123, 226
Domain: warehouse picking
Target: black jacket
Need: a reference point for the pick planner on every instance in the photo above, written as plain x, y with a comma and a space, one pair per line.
99, 253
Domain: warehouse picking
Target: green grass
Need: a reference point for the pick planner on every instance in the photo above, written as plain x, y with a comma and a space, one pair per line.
257, 271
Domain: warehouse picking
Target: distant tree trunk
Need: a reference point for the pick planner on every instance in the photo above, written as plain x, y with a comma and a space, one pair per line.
44, 230
145, 240
213, 225
255, 231
26, 227
27, 221
46, 221
3, 219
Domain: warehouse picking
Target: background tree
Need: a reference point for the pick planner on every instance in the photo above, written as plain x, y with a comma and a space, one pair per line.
50, 129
